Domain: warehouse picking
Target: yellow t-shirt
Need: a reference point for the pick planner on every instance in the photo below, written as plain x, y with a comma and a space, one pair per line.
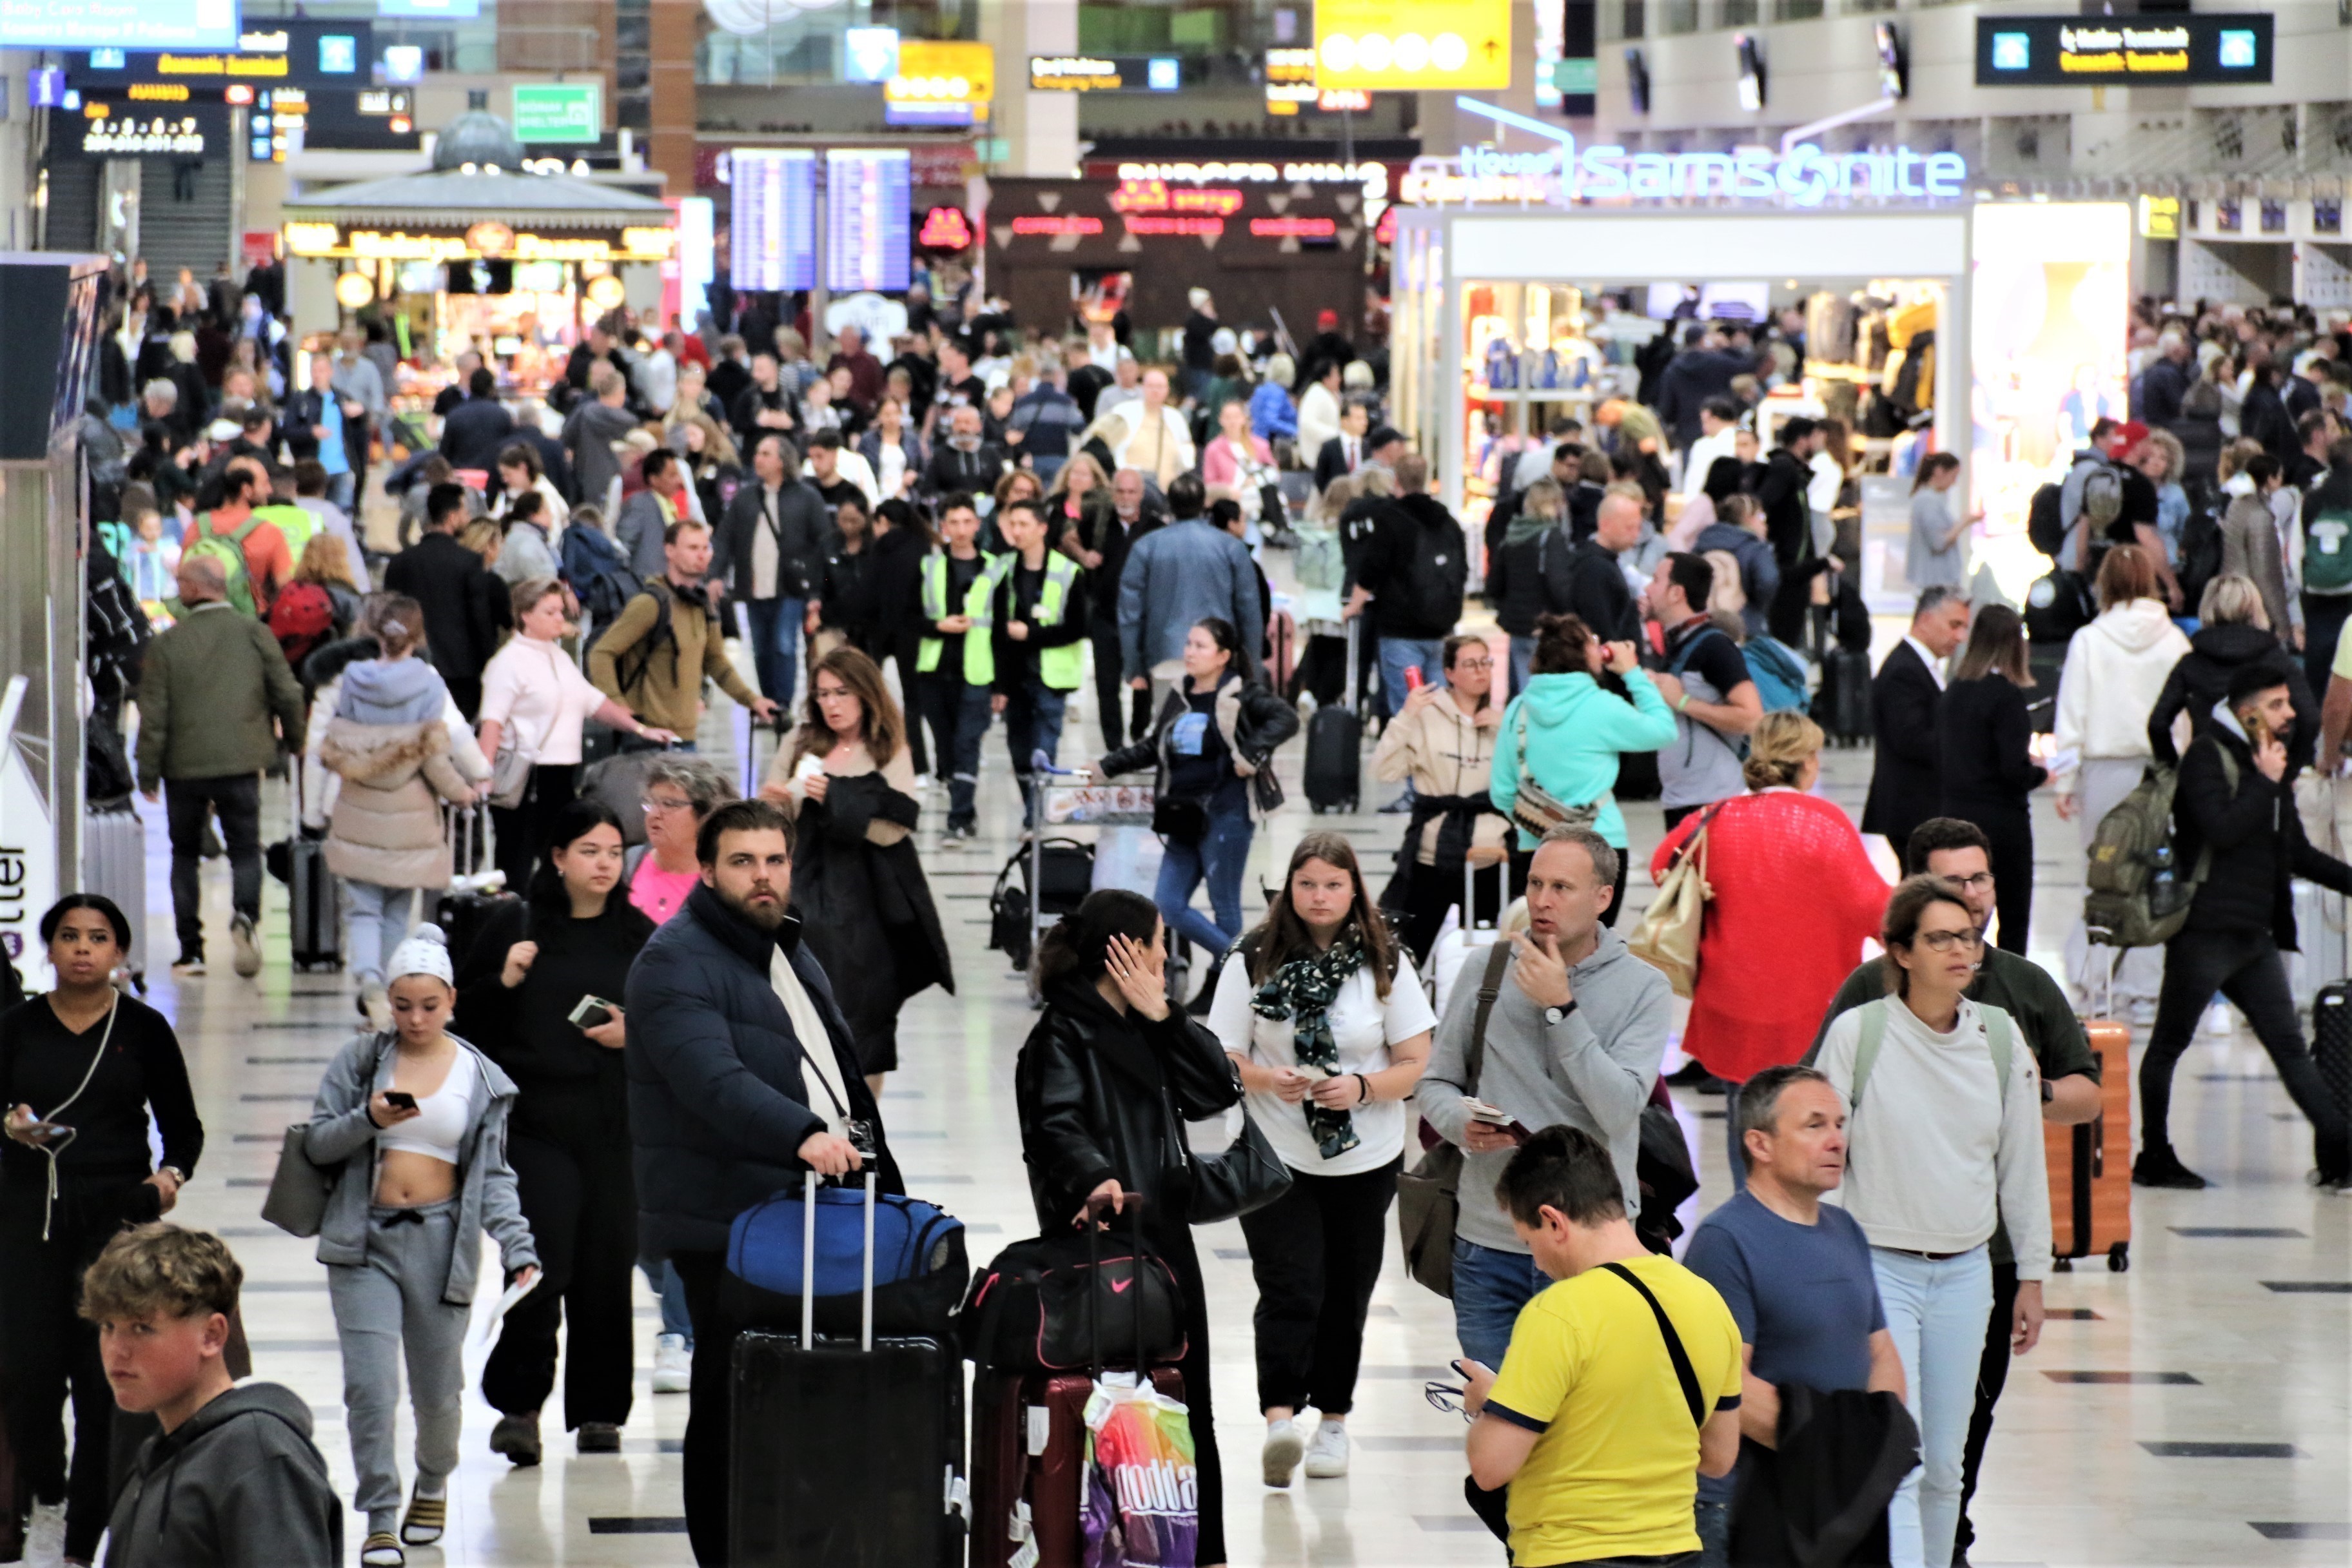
1615, 1470
2343, 665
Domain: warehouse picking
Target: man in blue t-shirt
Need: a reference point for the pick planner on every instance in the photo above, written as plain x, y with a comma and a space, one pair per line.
1794, 1271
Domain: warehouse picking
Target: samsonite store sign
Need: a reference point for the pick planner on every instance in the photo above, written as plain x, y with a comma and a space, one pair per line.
2152, 48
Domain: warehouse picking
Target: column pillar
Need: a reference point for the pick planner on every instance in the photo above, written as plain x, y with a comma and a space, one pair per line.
1039, 129
670, 145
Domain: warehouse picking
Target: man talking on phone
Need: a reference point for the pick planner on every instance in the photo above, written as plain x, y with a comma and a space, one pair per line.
1574, 1035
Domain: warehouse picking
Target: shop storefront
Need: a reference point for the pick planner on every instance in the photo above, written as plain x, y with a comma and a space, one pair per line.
479, 254
1934, 323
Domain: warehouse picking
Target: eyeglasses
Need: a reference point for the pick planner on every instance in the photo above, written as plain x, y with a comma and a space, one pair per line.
1473, 664
655, 806
1946, 940
1446, 1397
1980, 883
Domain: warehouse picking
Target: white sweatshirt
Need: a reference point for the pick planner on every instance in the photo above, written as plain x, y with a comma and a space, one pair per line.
2115, 669
1933, 1154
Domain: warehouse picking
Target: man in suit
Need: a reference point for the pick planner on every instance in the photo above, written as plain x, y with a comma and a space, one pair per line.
1348, 451
475, 430
1907, 785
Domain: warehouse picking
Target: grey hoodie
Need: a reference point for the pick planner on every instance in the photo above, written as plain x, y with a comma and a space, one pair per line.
239, 1483
391, 691
1592, 1069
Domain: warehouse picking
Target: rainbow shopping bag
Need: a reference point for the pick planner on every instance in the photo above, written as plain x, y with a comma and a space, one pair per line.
1142, 1488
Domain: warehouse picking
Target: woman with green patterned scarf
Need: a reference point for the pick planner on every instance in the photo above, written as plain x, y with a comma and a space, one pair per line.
1329, 1024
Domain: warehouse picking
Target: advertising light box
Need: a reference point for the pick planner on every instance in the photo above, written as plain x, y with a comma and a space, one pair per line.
2208, 48
119, 24
1413, 45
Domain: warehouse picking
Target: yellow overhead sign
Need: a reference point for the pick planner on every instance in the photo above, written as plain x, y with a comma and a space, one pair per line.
932, 71
1413, 45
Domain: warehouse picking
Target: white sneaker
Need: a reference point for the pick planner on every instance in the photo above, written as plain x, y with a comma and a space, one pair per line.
673, 1364
247, 943
1327, 1455
1284, 1444
2143, 1014
45, 1533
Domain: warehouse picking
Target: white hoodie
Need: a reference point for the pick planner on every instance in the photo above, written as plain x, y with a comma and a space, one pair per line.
2116, 668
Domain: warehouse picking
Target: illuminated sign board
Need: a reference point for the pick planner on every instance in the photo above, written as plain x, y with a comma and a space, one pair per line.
1562, 175
945, 229
2159, 217
939, 83
773, 234
1106, 73
2206, 48
1413, 45
489, 240
111, 24
295, 51
1288, 227
1289, 79
559, 111
869, 55
114, 127
1344, 99
1057, 224
866, 226
430, 10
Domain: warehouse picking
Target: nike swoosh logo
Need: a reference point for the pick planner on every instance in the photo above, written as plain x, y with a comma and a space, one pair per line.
1119, 1286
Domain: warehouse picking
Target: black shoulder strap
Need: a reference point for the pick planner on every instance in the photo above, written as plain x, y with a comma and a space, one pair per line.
1489, 987
1683, 1373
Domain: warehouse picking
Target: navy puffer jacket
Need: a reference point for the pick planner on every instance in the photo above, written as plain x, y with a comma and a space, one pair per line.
718, 1106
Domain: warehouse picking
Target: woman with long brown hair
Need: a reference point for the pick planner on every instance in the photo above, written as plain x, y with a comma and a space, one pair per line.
1443, 741
1328, 1023
1988, 767
866, 911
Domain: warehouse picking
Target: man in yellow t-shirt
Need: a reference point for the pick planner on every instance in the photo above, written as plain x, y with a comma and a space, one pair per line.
1621, 1384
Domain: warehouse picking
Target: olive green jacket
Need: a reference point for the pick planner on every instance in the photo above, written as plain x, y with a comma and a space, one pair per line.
212, 684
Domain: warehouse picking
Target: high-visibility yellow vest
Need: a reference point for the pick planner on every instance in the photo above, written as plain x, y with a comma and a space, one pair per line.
935, 608
1056, 666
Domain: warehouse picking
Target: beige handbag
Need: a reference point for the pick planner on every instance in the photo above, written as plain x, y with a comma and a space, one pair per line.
1667, 938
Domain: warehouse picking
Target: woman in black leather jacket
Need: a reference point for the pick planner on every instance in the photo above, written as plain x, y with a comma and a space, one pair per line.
1103, 1086
1214, 746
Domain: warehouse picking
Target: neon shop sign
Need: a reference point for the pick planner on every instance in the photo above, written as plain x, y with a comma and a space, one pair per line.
1560, 175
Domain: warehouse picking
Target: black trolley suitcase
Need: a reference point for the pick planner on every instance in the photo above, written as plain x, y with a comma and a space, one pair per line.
1335, 744
2331, 1043
313, 895
846, 1455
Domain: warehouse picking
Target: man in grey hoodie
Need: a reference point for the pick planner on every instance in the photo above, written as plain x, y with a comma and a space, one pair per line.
1575, 1030
1178, 574
233, 1478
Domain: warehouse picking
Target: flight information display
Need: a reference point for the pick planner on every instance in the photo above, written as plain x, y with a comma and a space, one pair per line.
869, 232
772, 242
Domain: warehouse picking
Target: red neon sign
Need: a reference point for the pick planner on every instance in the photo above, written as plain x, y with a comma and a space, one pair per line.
1154, 196
1038, 223
945, 228
1157, 225
1295, 227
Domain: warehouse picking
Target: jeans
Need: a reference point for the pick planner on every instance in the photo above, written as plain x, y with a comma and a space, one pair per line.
776, 645
343, 489
376, 920
1033, 723
1219, 857
1992, 1377
1398, 653
1936, 1310
958, 716
1713, 1522
2245, 967
1490, 1286
1315, 1253
1523, 656
186, 804
663, 1280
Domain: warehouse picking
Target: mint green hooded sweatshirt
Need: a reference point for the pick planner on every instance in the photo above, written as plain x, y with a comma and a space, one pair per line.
1574, 731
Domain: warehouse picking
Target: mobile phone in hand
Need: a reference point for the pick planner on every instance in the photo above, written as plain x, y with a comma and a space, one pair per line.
400, 1099
592, 1013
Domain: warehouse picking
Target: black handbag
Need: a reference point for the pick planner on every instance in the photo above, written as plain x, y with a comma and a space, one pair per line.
1246, 1177
1180, 819
1057, 1304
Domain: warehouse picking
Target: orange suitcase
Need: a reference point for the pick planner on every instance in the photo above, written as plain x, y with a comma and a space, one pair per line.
2090, 1162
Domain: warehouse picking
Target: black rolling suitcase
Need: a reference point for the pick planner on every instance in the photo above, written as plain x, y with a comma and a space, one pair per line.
1842, 706
466, 906
2331, 1043
846, 1455
314, 895
1334, 744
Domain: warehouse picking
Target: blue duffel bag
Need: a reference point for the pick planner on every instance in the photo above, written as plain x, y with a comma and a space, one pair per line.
920, 1267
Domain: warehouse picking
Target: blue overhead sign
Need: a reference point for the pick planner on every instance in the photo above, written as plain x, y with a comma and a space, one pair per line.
118, 23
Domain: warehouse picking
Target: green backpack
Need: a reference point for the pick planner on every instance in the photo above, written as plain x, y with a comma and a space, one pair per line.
226, 550
2137, 893
2326, 548
1998, 1034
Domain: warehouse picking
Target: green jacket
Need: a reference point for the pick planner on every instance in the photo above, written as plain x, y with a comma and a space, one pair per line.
210, 687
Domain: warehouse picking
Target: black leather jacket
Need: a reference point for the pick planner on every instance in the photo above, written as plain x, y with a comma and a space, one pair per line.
1103, 1095
1253, 720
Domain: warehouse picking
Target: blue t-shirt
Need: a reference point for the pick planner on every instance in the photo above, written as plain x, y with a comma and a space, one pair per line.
1199, 766
332, 455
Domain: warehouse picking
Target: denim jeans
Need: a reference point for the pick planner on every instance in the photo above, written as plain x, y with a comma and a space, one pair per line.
1397, 654
186, 804
1523, 656
958, 716
776, 645
1219, 857
376, 921
1936, 1310
663, 1280
1490, 1286
1033, 723
343, 490
1713, 1522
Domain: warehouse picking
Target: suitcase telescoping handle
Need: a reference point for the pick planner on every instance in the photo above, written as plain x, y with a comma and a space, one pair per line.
1133, 1204
809, 1187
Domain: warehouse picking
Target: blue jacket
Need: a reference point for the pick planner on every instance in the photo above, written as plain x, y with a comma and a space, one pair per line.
1178, 574
1272, 412
1574, 733
718, 1108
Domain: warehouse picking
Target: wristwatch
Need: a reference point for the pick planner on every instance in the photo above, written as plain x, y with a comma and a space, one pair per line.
2048, 1093
179, 1177
1555, 1014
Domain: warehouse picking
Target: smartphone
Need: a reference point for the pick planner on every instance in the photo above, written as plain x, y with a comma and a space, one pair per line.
1412, 678
400, 1099
593, 1012
1496, 1116
46, 1131
2258, 730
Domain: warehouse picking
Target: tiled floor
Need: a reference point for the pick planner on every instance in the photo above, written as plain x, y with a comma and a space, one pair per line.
2195, 1409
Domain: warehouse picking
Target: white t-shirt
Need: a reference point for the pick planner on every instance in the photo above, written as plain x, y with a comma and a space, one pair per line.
1362, 1026
532, 686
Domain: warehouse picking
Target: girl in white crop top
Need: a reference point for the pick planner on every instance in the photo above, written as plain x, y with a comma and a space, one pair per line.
438, 1127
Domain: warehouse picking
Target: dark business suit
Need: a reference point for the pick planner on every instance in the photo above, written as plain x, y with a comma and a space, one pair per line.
1906, 786
1331, 462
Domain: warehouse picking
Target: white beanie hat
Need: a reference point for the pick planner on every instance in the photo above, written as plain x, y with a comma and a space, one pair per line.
426, 952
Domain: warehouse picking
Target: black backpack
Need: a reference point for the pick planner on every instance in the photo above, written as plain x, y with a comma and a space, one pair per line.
1440, 574
2200, 556
2045, 523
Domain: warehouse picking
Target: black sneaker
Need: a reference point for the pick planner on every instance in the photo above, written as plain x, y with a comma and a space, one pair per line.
2162, 1168
517, 1436
599, 1438
1690, 1075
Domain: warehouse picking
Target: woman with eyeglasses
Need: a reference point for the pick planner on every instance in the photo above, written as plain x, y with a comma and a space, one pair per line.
1444, 741
1943, 1142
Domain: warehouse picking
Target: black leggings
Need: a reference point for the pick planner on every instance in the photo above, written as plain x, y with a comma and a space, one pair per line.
2010, 827
2244, 966
1316, 1252
522, 831
572, 1171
